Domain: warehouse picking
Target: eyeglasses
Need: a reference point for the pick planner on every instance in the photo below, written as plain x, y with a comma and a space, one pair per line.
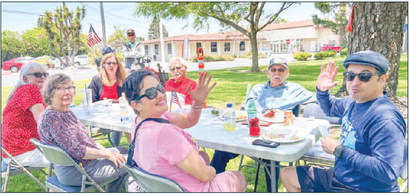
111, 64
175, 68
131, 34
279, 70
70, 88
363, 76
39, 75
152, 93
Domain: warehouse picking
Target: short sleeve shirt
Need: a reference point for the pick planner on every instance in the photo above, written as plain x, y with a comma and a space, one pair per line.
19, 125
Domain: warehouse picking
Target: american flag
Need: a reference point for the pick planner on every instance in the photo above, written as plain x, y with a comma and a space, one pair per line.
174, 99
92, 37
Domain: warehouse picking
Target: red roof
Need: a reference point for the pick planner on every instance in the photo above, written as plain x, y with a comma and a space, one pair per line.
199, 37
288, 25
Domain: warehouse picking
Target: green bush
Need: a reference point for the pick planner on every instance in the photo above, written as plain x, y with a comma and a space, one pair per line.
323, 55
302, 56
344, 52
209, 58
330, 53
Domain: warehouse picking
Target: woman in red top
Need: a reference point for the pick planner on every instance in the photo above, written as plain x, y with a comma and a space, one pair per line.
177, 88
108, 84
21, 115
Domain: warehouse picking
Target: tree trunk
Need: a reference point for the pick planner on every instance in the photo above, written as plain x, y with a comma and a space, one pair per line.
254, 51
379, 27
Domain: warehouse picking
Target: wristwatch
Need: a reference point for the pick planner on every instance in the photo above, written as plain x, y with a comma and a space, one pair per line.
338, 151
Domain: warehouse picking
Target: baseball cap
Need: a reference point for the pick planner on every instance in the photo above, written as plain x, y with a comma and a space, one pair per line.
369, 58
107, 50
130, 31
278, 61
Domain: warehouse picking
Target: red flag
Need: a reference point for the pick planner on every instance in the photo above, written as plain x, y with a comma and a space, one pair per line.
92, 37
351, 20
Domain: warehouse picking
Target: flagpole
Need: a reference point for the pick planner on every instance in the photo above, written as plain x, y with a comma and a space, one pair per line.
104, 39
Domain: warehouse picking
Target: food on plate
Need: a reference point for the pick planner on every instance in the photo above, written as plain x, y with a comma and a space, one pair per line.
241, 115
269, 114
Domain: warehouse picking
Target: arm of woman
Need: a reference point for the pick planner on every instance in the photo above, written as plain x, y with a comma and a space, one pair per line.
195, 165
198, 95
92, 153
37, 110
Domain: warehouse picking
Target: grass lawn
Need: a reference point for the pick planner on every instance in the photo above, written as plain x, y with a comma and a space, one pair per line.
231, 87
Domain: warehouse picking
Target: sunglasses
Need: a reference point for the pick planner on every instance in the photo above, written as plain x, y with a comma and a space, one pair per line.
69, 88
364, 76
39, 75
279, 70
111, 64
152, 93
131, 34
175, 68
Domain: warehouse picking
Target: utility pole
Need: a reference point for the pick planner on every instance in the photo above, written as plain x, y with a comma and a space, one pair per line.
104, 38
162, 45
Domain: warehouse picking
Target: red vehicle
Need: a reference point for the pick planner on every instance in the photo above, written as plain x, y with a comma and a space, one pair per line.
14, 65
333, 47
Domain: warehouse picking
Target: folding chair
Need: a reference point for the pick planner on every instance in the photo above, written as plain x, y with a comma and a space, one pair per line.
58, 156
163, 76
404, 173
152, 182
13, 167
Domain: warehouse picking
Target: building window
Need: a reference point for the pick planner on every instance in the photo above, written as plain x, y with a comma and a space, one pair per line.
213, 47
169, 48
198, 45
242, 46
227, 47
156, 49
146, 50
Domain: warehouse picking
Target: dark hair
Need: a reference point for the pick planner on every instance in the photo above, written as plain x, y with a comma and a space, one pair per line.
133, 83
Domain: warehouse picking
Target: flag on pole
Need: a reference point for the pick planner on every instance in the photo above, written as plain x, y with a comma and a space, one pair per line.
174, 99
351, 20
92, 37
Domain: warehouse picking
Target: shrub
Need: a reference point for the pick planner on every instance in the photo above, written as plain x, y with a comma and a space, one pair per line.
320, 55
330, 53
302, 56
344, 52
209, 58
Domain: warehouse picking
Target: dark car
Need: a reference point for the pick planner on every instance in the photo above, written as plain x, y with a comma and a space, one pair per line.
14, 65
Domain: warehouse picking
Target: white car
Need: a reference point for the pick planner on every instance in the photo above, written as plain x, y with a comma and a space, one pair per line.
81, 60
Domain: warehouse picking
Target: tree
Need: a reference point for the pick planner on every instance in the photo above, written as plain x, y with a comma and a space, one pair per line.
379, 27
36, 42
11, 45
64, 29
153, 32
337, 12
246, 17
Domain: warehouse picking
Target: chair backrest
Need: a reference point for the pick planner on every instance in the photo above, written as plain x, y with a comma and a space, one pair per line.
153, 183
404, 173
163, 76
314, 110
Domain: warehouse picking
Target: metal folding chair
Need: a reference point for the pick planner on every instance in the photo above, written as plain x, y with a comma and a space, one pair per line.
58, 156
13, 167
163, 76
152, 182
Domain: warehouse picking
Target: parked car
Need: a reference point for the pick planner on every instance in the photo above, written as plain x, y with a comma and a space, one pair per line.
49, 61
81, 60
333, 47
14, 65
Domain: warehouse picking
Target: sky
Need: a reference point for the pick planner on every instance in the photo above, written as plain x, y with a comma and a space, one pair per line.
22, 16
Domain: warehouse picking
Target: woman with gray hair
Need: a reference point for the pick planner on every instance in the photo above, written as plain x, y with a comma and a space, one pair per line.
21, 114
59, 126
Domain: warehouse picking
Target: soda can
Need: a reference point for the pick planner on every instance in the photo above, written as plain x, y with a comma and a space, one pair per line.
254, 128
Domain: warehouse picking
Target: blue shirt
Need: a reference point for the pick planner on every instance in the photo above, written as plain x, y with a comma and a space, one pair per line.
374, 135
284, 97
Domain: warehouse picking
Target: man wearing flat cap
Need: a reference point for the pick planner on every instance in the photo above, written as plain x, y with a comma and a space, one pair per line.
275, 94
370, 154
132, 50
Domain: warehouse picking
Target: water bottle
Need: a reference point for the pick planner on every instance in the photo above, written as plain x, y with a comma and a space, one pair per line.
251, 109
229, 116
123, 105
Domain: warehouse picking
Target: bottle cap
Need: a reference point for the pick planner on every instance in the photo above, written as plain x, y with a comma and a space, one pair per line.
229, 105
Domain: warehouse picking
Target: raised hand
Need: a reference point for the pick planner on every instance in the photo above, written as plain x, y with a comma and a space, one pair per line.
202, 90
326, 78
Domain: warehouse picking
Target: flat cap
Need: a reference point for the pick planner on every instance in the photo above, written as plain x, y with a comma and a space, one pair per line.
107, 50
369, 58
278, 61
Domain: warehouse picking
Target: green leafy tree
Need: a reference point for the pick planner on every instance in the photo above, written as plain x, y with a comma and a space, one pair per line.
337, 21
246, 17
36, 42
11, 46
64, 29
153, 32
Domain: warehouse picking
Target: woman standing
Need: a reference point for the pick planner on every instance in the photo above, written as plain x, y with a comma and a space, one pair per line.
60, 127
21, 115
108, 84
161, 145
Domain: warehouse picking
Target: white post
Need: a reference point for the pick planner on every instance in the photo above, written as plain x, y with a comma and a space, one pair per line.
162, 44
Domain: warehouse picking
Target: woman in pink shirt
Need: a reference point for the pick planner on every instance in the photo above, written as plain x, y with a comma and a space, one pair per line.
163, 148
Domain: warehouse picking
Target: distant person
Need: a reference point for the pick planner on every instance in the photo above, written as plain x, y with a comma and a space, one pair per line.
21, 116
59, 126
179, 84
369, 155
275, 94
108, 85
132, 50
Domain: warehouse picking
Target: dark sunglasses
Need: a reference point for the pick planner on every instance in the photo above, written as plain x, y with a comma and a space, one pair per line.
39, 75
152, 93
364, 76
131, 34
174, 68
279, 70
